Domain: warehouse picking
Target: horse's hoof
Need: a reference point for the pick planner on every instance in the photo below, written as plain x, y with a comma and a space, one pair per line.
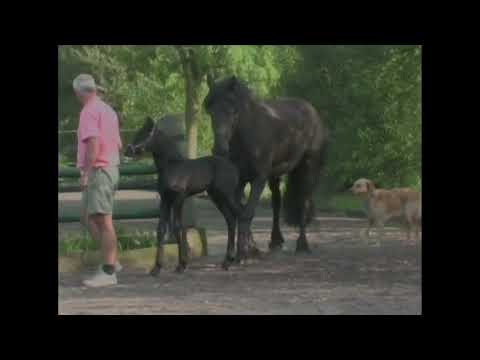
254, 252
155, 271
303, 251
227, 263
180, 269
274, 248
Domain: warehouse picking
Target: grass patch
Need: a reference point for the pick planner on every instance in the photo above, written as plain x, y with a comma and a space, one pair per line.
343, 202
338, 203
126, 241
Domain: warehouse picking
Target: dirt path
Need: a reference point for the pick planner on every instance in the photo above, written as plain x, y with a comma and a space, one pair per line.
342, 276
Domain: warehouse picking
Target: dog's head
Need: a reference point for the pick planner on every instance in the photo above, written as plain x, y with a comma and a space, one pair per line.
362, 187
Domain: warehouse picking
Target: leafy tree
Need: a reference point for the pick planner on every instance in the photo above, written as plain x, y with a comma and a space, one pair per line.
370, 95
370, 98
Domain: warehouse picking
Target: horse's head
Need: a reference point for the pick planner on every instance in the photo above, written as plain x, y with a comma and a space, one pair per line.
142, 140
224, 102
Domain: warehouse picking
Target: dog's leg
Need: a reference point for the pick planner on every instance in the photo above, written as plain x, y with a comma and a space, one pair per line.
417, 230
409, 229
381, 232
367, 230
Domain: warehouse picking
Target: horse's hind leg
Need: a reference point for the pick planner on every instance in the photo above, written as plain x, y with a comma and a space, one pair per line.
163, 224
276, 236
302, 244
229, 210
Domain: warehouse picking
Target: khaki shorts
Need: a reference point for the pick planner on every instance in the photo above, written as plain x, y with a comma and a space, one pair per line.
97, 198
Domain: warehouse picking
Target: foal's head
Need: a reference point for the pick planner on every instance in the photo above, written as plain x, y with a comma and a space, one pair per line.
224, 102
142, 139
149, 139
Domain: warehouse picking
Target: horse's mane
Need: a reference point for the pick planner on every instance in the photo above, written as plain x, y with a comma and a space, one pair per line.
231, 89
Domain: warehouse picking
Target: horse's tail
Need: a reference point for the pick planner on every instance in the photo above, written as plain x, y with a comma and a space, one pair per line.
301, 184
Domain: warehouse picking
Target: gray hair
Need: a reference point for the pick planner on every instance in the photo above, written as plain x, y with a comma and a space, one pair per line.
84, 83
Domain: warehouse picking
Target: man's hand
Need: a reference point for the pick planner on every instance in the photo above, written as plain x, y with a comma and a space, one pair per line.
83, 181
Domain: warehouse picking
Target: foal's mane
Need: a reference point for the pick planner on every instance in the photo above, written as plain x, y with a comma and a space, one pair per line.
166, 148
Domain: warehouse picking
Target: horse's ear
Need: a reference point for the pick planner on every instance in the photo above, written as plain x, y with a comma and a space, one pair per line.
149, 122
233, 83
210, 80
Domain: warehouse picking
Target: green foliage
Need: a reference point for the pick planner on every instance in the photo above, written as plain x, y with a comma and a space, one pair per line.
370, 96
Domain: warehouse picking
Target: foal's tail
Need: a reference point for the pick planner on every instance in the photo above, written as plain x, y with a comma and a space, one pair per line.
301, 184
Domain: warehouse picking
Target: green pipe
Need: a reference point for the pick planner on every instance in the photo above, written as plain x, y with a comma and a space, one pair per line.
127, 186
140, 214
71, 172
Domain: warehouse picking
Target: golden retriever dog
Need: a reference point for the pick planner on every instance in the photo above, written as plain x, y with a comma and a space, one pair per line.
382, 205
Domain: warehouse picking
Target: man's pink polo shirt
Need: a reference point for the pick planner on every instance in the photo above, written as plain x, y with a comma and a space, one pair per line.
98, 119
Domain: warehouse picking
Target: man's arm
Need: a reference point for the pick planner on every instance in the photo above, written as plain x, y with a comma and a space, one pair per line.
91, 154
90, 157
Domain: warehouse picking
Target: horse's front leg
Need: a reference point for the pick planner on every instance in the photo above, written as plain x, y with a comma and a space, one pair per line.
252, 246
162, 230
246, 217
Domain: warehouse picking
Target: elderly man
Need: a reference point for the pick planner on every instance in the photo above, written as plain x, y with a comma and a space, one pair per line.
98, 157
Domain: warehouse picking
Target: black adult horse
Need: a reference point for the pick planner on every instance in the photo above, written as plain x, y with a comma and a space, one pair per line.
265, 140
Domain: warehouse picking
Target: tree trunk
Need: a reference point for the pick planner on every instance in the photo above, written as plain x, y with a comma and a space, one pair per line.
192, 101
192, 110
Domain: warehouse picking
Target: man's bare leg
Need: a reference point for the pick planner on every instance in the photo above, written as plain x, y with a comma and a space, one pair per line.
107, 236
94, 232
105, 275
91, 226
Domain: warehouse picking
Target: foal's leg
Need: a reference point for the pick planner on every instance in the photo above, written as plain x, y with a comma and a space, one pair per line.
229, 211
180, 234
276, 236
163, 224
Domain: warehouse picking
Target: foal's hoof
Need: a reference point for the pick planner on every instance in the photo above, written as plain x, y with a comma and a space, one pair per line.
155, 271
180, 269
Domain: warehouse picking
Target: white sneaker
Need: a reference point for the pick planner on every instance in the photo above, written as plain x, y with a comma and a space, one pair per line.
118, 266
101, 278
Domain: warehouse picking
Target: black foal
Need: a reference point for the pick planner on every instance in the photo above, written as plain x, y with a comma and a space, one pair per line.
180, 178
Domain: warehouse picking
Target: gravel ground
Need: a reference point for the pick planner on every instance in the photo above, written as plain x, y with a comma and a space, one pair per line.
343, 275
